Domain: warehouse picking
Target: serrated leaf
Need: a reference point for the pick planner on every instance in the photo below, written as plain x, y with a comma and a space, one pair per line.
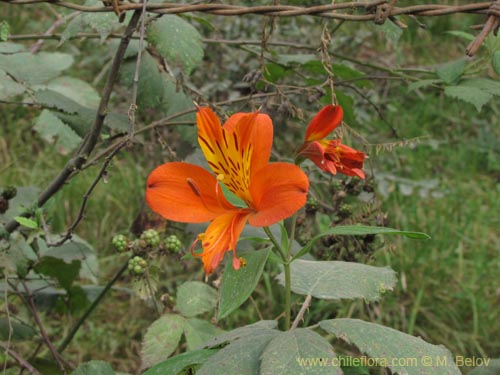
339, 280
103, 23
25, 222
9, 87
261, 327
161, 339
495, 61
389, 346
35, 69
94, 368
285, 353
151, 85
195, 298
422, 83
485, 84
77, 90
20, 331
56, 268
4, 31
452, 71
181, 363
9, 47
56, 132
198, 332
237, 286
472, 95
176, 101
240, 357
177, 41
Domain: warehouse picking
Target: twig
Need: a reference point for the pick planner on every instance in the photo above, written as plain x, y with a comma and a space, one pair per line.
302, 311
491, 24
88, 144
67, 340
61, 20
38, 321
19, 359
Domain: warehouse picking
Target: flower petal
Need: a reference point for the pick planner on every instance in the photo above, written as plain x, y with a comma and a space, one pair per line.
348, 160
185, 192
222, 235
324, 122
278, 191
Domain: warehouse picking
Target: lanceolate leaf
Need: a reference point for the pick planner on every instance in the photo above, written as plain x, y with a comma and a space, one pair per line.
177, 41
339, 280
237, 286
401, 353
359, 230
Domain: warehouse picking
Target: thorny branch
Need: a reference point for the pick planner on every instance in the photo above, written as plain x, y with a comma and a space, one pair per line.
19, 359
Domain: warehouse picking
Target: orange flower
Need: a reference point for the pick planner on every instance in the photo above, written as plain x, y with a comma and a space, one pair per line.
330, 155
238, 154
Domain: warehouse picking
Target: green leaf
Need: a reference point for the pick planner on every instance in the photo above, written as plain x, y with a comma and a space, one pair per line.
63, 272
237, 286
422, 83
161, 339
181, 363
347, 103
472, 95
339, 280
274, 72
9, 47
485, 84
9, 87
452, 71
56, 132
4, 31
35, 69
198, 332
287, 353
389, 346
461, 34
495, 61
359, 230
392, 32
25, 222
346, 72
103, 23
94, 368
77, 90
176, 101
195, 298
177, 41
231, 197
490, 368
240, 357
291, 60
19, 332
260, 327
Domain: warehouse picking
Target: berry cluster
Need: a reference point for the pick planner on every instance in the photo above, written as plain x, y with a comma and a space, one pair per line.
151, 237
137, 265
172, 243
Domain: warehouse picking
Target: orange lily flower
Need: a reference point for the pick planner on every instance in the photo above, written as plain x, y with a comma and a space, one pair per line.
330, 155
238, 154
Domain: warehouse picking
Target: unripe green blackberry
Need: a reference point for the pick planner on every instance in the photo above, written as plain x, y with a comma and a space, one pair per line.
345, 210
9, 192
151, 237
312, 204
137, 265
173, 244
120, 242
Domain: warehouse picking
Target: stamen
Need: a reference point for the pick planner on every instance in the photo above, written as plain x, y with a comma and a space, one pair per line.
199, 237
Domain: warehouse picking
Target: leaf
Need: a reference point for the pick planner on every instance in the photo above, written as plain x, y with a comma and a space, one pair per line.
77, 90
286, 354
56, 268
54, 131
94, 368
422, 83
177, 41
161, 339
392, 32
389, 346
184, 361
237, 286
359, 230
261, 327
25, 222
451, 72
198, 332
195, 298
495, 61
4, 31
9, 47
20, 331
346, 72
347, 103
291, 60
338, 280
176, 101
490, 368
9, 87
240, 357
35, 69
472, 95
103, 23
488, 85
461, 34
